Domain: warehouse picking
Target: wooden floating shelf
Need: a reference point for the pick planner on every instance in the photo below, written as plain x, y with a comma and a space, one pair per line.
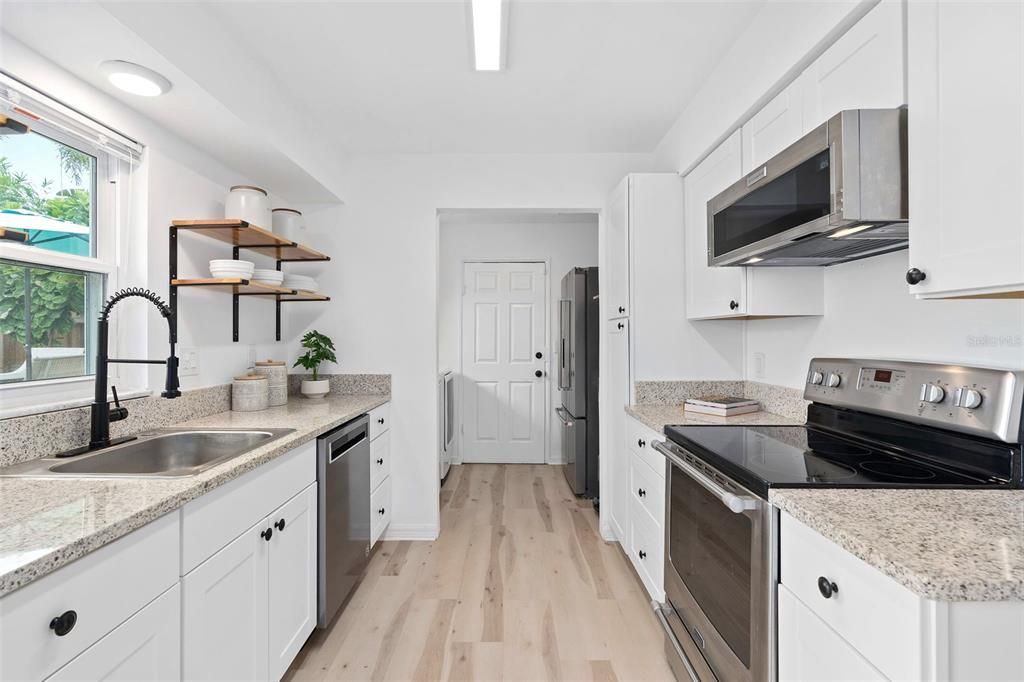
242, 287
300, 295
245, 235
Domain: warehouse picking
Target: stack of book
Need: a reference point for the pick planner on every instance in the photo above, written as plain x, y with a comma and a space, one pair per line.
722, 406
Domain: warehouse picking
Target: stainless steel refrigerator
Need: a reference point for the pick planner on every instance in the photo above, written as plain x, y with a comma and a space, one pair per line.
579, 331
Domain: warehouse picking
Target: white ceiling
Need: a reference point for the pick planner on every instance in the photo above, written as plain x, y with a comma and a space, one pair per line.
322, 79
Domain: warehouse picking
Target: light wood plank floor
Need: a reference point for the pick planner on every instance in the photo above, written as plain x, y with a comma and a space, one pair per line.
519, 586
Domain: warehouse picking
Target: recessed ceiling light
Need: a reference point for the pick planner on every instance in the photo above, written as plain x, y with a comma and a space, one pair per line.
135, 79
488, 23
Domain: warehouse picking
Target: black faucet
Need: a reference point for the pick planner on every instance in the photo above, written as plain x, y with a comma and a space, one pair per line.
102, 413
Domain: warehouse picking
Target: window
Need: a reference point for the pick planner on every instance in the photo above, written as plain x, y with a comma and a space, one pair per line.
58, 223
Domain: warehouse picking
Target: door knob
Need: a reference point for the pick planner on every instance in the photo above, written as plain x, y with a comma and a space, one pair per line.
538, 374
538, 355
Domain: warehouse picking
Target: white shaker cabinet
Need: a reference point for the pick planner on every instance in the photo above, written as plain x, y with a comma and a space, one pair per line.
615, 274
380, 471
616, 495
777, 125
145, 648
965, 77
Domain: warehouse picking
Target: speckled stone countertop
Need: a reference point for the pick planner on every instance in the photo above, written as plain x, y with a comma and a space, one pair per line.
947, 545
48, 523
658, 417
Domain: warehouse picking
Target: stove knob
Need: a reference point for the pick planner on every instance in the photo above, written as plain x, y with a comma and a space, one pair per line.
932, 393
816, 378
967, 398
834, 380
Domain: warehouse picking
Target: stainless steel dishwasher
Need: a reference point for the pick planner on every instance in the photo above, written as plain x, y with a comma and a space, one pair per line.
343, 530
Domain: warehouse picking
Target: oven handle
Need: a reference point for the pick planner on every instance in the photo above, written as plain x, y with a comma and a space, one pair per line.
671, 636
735, 503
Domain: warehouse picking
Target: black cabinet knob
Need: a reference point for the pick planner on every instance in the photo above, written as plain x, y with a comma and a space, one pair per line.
267, 534
622, 309
538, 355
64, 623
538, 374
279, 524
621, 326
381, 421
733, 305
915, 276
380, 461
381, 511
641, 442
643, 554
827, 587
641, 492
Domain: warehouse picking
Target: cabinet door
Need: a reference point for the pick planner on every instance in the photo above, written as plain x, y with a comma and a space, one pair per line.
145, 648
711, 292
224, 612
292, 581
617, 393
616, 275
772, 129
861, 70
965, 75
810, 651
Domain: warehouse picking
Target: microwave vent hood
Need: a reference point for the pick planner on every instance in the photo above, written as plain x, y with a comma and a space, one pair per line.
837, 194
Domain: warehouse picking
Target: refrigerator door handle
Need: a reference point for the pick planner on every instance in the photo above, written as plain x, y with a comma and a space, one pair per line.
564, 320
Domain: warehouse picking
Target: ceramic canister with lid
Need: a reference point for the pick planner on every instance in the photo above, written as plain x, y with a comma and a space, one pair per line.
276, 373
250, 393
248, 203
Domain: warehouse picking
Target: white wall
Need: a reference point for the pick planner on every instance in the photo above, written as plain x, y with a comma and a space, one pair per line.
383, 280
564, 243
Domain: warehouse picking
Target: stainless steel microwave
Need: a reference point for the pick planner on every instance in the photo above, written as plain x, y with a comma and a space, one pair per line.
837, 194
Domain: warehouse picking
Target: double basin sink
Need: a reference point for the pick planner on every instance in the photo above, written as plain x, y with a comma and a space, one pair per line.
167, 453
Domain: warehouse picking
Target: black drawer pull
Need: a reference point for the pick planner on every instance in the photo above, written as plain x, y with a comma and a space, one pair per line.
267, 534
381, 421
641, 492
827, 587
621, 309
381, 511
643, 554
733, 305
380, 461
64, 623
641, 442
279, 525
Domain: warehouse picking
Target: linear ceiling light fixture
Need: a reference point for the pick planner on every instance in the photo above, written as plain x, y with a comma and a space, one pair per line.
134, 79
489, 25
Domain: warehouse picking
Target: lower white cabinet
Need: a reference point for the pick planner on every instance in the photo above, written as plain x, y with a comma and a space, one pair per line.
646, 494
380, 471
145, 648
249, 608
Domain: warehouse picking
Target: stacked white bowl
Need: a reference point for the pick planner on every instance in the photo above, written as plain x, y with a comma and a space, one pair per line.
266, 276
234, 269
292, 281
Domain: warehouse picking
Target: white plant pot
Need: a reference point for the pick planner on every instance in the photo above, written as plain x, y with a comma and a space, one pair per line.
315, 389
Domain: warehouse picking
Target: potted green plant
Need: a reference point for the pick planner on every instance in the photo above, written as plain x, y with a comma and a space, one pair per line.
319, 349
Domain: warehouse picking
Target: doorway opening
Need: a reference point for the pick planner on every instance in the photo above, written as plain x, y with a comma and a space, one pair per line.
498, 310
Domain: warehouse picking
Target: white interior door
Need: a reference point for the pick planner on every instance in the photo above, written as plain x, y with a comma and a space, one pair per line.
503, 329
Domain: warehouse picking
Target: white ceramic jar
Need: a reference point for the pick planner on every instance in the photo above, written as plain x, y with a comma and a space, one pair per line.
277, 380
250, 204
290, 224
250, 393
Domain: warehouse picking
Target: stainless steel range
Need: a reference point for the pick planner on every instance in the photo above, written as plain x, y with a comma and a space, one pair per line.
871, 424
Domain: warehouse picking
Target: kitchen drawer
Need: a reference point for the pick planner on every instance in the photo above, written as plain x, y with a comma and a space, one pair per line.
380, 420
210, 522
878, 617
639, 438
380, 460
648, 489
103, 588
380, 510
647, 550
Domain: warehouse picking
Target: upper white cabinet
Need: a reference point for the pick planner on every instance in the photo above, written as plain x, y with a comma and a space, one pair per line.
723, 292
779, 124
966, 116
616, 251
863, 69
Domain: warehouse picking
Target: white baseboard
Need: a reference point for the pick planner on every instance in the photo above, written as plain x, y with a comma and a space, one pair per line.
411, 531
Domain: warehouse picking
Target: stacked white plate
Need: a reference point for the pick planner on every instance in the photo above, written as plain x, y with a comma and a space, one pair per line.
301, 282
272, 277
235, 269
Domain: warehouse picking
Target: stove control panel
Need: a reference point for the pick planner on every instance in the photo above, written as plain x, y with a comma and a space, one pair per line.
978, 400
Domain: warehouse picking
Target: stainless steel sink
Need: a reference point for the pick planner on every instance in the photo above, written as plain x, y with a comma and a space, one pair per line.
169, 453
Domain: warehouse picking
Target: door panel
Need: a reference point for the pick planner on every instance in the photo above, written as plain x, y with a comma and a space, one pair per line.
503, 327
617, 394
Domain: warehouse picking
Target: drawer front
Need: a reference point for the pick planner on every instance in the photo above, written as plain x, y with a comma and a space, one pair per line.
210, 522
880, 618
380, 420
103, 588
380, 510
639, 439
648, 489
647, 550
380, 460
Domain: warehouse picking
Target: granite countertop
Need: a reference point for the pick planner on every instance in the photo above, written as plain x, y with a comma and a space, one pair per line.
947, 545
658, 417
48, 523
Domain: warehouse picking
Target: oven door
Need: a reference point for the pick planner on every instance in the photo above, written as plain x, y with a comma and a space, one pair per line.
719, 572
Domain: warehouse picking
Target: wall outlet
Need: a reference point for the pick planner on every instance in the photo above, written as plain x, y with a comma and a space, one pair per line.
188, 362
759, 366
